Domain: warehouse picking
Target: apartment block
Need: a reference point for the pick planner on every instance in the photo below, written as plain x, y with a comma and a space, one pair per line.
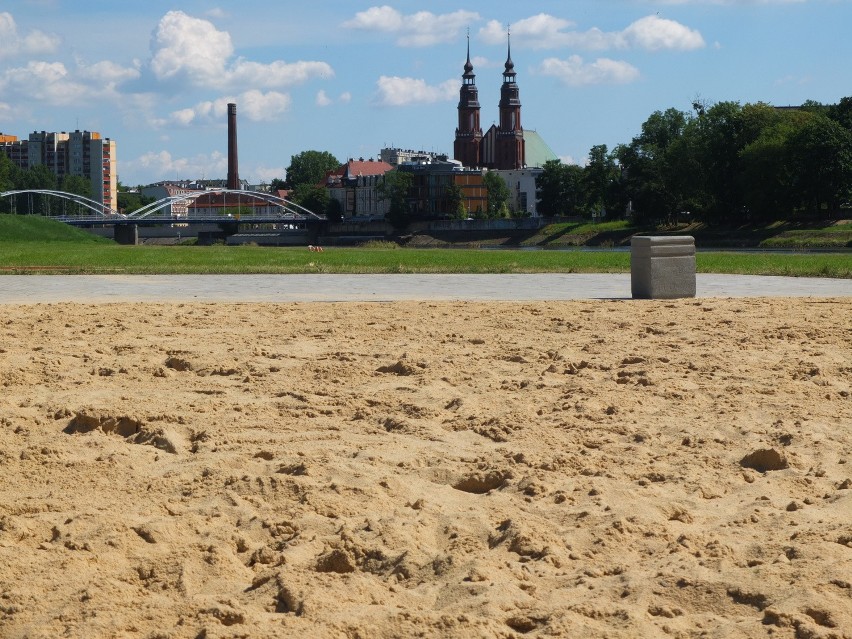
81, 153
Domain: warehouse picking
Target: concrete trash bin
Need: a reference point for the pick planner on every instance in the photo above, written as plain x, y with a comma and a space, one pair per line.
662, 267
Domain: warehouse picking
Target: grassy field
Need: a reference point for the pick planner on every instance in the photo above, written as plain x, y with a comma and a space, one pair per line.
35, 245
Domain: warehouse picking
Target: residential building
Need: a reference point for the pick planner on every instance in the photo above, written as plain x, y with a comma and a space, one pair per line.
356, 186
222, 204
428, 197
162, 190
395, 157
16, 150
79, 153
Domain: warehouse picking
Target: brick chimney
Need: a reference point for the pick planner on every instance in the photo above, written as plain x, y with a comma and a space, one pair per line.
233, 168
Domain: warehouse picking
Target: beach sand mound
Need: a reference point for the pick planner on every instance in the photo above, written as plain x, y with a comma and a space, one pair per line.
577, 469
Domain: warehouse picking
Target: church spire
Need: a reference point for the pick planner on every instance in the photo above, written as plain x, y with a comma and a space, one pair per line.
468, 66
509, 72
468, 132
510, 151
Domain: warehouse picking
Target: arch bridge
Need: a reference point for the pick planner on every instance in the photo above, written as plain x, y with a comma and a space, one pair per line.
247, 206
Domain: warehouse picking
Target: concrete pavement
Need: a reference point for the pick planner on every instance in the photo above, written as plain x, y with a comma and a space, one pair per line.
32, 289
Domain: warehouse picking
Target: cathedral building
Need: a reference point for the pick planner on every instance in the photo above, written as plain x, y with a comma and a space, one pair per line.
502, 147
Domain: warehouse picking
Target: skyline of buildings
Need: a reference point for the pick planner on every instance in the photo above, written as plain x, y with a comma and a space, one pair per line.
355, 184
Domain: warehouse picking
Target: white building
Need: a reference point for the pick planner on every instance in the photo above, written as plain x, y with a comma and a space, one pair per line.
521, 183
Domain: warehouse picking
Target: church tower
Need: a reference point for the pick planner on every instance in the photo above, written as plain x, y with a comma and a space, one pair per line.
510, 151
469, 132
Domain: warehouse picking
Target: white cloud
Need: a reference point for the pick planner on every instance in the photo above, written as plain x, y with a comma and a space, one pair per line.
195, 51
183, 45
323, 100
48, 82
576, 72
544, 31
654, 33
33, 43
106, 72
267, 173
276, 74
255, 106
396, 91
383, 18
54, 84
5, 112
263, 107
421, 29
161, 165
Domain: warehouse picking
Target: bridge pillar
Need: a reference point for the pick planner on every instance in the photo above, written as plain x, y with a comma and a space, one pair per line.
126, 234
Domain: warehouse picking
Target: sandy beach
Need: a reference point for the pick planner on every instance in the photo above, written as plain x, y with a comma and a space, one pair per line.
440, 469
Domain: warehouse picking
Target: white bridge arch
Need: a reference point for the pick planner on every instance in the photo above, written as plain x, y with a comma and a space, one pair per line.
286, 209
98, 210
160, 210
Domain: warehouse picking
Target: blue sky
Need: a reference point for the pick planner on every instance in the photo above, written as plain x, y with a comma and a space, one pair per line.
351, 77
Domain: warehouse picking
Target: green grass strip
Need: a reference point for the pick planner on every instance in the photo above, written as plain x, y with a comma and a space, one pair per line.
63, 257
30, 244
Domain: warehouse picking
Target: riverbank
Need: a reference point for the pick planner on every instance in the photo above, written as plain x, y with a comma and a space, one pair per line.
29, 244
828, 236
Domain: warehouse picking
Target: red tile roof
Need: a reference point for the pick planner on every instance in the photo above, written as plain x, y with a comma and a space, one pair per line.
362, 167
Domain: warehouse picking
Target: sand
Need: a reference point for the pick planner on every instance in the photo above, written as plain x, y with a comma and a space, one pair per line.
555, 469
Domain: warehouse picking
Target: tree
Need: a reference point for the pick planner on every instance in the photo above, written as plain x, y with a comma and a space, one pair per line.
600, 180
7, 181
7, 170
39, 177
559, 189
822, 160
842, 112
722, 133
76, 185
35, 178
650, 173
277, 184
334, 210
310, 167
768, 174
498, 195
311, 196
455, 201
394, 188
129, 201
